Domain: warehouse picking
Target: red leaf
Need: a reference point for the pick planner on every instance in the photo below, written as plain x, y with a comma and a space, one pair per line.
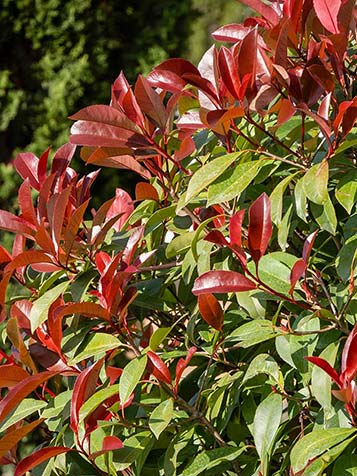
182, 364
113, 373
123, 206
12, 374
14, 224
5, 256
235, 228
38, 457
187, 147
349, 357
56, 212
286, 111
218, 281
260, 227
90, 309
84, 388
178, 66
14, 436
247, 56
111, 443
297, 271
28, 258
21, 391
309, 242
62, 158
211, 310
266, 11
150, 102
25, 201
71, 230
230, 33
281, 49
216, 237
229, 73
158, 368
327, 13
146, 191
26, 165
326, 367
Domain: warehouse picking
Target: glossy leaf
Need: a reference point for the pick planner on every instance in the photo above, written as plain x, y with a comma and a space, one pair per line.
40, 308
158, 368
254, 332
84, 387
327, 13
260, 227
11, 374
21, 391
98, 344
25, 408
161, 417
233, 182
210, 459
130, 377
211, 310
266, 424
297, 271
207, 174
217, 281
38, 457
315, 183
315, 443
10, 439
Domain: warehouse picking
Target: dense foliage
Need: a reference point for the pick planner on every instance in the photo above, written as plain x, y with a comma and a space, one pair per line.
209, 323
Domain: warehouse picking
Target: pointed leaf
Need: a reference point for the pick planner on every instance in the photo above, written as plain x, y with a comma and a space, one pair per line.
84, 388
40, 308
315, 183
21, 390
130, 377
220, 281
14, 436
11, 374
14, 224
260, 227
266, 423
316, 443
211, 310
327, 13
161, 417
297, 271
97, 344
38, 457
158, 368
207, 174
324, 365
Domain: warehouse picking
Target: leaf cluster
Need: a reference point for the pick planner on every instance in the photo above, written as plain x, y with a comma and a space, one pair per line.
208, 323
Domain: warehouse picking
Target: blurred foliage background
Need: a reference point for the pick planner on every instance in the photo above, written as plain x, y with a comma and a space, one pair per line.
58, 56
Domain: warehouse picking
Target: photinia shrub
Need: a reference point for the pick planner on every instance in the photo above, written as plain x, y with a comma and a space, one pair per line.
208, 323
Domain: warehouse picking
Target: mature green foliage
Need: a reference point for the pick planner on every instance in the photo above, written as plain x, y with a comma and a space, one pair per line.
208, 326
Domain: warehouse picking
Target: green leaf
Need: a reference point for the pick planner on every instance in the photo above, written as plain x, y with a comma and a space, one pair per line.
134, 446
81, 283
274, 270
207, 174
346, 465
160, 215
253, 333
97, 399
345, 259
98, 343
233, 182
315, 183
158, 337
316, 443
161, 417
253, 302
346, 190
317, 467
262, 364
39, 310
300, 199
130, 377
276, 199
22, 411
179, 244
210, 459
266, 423
325, 216
321, 381
177, 444
284, 227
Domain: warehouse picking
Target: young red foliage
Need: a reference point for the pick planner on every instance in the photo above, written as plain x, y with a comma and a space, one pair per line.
219, 281
211, 310
259, 228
